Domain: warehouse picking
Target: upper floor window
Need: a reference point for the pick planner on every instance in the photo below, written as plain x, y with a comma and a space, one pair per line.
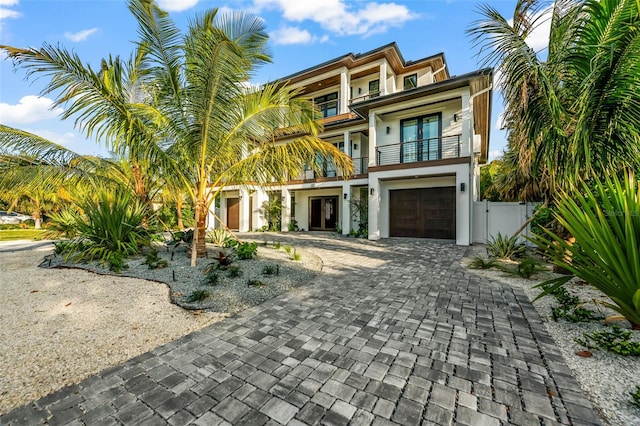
374, 88
327, 104
410, 81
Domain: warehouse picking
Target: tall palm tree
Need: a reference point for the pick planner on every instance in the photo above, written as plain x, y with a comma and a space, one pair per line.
577, 112
182, 104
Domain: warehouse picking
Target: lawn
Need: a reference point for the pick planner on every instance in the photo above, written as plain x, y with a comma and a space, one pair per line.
20, 234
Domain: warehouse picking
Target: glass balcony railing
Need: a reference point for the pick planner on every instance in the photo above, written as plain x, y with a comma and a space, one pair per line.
420, 150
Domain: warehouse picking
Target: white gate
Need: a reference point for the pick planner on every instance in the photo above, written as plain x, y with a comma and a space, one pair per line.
489, 218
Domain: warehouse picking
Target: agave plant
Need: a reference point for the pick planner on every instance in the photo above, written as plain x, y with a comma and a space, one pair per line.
604, 220
504, 247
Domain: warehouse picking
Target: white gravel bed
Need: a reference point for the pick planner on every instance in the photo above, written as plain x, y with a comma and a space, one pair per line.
605, 377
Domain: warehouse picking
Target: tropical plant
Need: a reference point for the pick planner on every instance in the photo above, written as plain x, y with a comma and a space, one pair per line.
246, 250
112, 227
614, 339
635, 396
482, 263
153, 260
181, 106
217, 236
574, 112
271, 211
212, 277
604, 220
270, 269
505, 247
62, 224
234, 271
198, 296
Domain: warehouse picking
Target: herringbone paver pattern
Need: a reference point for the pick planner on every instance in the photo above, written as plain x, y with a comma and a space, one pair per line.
392, 332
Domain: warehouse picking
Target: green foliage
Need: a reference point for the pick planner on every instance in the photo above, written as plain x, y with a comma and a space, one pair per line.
614, 340
287, 249
526, 267
489, 175
153, 261
570, 308
271, 210
217, 236
212, 277
481, 263
635, 397
605, 223
276, 245
543, 217
255, 283
293, 225
230, 242
112, 229
360, 213
295, 255
116, 262
270, 269
223, 261
62, 224
179, 238
246, 250
234, 271
504, 247
198, 296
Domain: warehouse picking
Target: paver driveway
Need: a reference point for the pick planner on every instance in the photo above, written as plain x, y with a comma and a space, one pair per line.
392, 332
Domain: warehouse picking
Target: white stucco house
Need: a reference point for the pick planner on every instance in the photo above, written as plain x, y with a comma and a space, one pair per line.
416, 134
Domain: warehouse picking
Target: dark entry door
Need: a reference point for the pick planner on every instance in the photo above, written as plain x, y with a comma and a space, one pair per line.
423, 213
233, 213
323, 212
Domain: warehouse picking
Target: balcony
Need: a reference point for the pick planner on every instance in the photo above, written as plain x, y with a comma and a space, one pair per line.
360, 166
365, 97
418, 151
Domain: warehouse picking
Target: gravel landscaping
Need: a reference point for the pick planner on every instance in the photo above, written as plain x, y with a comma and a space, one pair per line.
59, 326
606, 378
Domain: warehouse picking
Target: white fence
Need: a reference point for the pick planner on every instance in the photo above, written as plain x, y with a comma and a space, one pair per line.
489, 218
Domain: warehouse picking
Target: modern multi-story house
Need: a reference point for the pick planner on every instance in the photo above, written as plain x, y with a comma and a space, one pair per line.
416, 135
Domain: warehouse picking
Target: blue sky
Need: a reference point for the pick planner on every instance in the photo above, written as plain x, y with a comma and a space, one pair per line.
303, 33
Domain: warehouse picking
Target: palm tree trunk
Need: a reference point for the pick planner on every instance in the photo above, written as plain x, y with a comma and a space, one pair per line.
37, 217
198, 246
179, 203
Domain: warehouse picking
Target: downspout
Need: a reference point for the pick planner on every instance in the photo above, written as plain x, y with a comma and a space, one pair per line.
471, 157
437, 71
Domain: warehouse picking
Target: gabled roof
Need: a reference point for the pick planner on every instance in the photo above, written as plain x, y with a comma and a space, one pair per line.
389, 51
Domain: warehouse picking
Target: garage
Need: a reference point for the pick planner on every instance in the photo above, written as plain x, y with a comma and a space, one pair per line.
423, 213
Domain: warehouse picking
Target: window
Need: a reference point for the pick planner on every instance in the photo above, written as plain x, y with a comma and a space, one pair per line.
420, 139
410, 81
328, 104
374, 88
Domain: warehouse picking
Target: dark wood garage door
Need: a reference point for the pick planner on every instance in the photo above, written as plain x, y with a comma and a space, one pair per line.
423, 213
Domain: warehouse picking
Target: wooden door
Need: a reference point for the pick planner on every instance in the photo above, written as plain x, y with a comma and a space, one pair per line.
233, 213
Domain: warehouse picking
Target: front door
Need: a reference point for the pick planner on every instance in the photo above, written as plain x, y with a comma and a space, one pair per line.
323, 212
233, 213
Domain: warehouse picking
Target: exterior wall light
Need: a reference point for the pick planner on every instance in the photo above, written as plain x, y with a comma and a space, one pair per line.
388, 129
345, 196
462, 187
371, 191
455, 118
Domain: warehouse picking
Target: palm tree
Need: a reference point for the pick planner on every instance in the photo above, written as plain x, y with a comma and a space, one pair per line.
577, 112
182, 104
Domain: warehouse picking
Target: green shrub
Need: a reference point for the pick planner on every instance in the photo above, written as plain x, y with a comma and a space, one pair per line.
635, 397
212, 278
296, 255
198, 296
504, 247
230, 242
63, 224
526, 267
276, 246
234, 271
614, 340
217, 236
570, 308
116, 262
481, 263
287, 249
270, 269
255, 283
246, 250
112, 229
153, 261
605, 223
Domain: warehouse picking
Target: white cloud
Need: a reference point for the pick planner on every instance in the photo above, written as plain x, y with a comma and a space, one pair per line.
30, 109
61, 138
342, 17
8, 2
500, 124
293, 35
495, 155
538, 39
8, 13
81, 35
176, 5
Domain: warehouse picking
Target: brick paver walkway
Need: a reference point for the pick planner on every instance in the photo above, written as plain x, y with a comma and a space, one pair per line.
392, 332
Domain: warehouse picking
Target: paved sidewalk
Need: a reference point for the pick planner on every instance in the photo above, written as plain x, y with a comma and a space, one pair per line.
392, 332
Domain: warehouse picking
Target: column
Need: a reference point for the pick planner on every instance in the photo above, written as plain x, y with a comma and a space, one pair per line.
466, 143
344, 91
374, 208
286, 209
346, 208
372, 140
258, 217
383, 78
244, 210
